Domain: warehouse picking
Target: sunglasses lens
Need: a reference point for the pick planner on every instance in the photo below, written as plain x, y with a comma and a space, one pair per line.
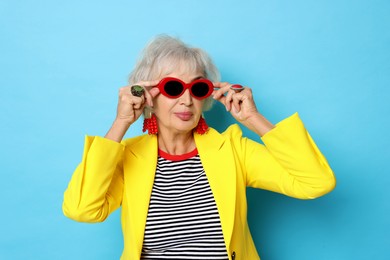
200, 89
173, 88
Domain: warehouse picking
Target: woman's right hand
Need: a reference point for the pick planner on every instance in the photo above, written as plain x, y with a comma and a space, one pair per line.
130, 108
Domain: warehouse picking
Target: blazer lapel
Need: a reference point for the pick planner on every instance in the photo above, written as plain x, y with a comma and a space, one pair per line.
140, 163
218, 161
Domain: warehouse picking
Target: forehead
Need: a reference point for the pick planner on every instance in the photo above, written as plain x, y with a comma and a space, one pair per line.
180, 68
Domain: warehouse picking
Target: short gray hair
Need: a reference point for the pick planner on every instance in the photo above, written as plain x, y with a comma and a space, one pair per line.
165, 54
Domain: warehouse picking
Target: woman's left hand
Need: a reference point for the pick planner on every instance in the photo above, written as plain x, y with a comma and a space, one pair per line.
239, 104
242, 107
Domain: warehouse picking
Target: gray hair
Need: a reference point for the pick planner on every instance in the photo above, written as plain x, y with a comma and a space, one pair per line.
165, 54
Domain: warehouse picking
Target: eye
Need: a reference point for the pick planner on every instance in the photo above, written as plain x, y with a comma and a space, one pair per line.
173, 88
200, 89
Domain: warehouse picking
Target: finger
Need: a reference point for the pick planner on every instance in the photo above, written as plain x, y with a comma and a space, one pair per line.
237, 100
149, 98
148, 84
221, 84
229, 99
125, 91
150, 95
126, 104
138, 106
126, 97
221, 89
154, 92
221, 100
128, 93
137, 103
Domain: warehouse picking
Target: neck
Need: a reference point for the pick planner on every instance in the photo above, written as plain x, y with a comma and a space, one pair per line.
176, 143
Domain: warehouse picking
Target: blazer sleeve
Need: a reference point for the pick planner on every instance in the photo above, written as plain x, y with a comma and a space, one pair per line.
290, 162
96, 186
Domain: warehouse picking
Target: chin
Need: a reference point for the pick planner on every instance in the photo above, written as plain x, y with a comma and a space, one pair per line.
185, 127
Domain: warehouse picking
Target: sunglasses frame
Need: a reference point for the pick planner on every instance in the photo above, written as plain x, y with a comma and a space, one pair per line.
164, 81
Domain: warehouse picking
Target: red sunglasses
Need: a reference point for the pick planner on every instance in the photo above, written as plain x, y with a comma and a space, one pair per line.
174, 88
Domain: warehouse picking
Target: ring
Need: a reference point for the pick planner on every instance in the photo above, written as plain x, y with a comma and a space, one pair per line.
137, 90
237, 88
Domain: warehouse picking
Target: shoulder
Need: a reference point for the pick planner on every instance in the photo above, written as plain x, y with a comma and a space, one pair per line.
231, 130
138, 140
213, 137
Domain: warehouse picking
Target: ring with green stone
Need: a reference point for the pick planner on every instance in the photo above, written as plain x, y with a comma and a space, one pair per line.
137, 90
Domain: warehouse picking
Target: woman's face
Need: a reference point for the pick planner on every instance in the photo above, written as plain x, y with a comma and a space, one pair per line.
178, 115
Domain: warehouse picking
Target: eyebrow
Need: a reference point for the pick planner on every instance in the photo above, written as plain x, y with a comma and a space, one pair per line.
199, 77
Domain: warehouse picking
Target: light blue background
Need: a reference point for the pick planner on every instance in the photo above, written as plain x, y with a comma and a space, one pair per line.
61, 65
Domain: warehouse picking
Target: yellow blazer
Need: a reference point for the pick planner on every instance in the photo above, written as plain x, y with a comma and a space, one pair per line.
113, 175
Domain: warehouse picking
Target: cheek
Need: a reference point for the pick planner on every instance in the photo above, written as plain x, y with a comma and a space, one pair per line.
199, 104
163, 104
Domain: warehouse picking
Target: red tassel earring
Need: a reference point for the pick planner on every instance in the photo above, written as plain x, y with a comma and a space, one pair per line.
202, 126
150, 124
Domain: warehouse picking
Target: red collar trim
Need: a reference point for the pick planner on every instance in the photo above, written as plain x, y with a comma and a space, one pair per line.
180, 157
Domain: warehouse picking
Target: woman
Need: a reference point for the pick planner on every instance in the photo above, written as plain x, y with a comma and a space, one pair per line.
182, 187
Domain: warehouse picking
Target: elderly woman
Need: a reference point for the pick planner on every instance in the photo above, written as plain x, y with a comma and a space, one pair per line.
182, 186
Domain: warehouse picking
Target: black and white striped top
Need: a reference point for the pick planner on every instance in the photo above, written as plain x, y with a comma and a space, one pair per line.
183, 220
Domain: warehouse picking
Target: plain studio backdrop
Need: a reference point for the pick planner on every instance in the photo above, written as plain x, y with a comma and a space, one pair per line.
62, 63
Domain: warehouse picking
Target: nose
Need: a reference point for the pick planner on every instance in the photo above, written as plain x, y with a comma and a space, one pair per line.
186, 98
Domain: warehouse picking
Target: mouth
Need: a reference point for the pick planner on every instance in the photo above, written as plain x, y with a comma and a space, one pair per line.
185, 116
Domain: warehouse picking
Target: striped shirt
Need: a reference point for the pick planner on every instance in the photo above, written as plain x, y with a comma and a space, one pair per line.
183, 221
